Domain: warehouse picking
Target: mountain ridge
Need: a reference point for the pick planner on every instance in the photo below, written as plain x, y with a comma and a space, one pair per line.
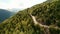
22, 23
4, 14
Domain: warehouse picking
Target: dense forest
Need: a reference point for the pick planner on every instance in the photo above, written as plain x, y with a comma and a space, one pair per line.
22, 23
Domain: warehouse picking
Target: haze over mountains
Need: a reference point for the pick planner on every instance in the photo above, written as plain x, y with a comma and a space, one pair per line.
21, 4
5, 14
14, 9
46, 14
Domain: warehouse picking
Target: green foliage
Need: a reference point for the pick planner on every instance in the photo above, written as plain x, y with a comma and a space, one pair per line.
22, 23
54, 31
49, 12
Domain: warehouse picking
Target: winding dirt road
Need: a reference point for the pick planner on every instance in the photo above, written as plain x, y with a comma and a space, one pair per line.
45, 26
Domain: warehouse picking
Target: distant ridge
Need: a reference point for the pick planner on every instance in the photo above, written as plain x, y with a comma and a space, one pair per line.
47, 14
4, 14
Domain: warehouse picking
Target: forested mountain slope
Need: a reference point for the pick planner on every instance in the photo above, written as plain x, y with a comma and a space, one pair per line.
22, 23
4, 14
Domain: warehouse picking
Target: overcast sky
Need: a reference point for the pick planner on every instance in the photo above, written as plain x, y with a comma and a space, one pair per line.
20, 4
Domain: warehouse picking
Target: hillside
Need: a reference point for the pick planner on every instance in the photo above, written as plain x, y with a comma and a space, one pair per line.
44, 14
4, 14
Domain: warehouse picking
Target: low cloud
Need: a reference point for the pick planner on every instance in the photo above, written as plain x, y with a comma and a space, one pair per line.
20, 4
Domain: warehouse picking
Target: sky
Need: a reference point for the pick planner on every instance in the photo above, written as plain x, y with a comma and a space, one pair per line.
18, 4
